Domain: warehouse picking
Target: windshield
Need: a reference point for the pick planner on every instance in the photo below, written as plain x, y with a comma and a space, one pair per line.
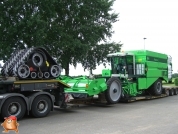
120, 64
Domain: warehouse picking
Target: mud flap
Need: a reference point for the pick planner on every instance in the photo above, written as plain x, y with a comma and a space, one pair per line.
60, 100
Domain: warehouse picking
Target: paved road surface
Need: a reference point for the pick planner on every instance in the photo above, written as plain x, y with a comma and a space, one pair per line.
159, 116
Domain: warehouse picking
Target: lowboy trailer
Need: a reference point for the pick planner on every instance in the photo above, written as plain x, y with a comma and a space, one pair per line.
31, 82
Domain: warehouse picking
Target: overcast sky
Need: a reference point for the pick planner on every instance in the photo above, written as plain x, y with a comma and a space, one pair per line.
156, 20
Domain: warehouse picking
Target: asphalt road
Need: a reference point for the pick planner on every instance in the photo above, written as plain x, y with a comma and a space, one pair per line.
159, 116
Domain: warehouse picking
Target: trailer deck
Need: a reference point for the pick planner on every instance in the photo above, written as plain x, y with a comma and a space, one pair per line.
168, 90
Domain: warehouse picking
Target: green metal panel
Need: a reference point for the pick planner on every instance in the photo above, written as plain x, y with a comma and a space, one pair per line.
145, 83
142, 83
145, 55
85, 85
155, 63
150, 81
106, 73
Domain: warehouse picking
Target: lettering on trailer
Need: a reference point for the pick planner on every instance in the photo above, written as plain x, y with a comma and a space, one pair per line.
155, 59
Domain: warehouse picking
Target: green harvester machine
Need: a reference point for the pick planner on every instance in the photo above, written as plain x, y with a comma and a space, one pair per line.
132, 74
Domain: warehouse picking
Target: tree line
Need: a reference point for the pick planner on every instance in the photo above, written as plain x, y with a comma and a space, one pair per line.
73, 31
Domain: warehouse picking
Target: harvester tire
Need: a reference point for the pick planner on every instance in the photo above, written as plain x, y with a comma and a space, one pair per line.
114, 90
156, 88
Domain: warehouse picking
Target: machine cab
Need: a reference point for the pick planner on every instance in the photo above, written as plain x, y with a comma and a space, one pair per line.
122, 64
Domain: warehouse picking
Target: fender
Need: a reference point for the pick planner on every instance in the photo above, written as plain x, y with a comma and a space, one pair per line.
34, 95
4, 97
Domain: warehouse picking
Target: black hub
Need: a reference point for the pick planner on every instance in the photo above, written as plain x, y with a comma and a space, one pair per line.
115, 91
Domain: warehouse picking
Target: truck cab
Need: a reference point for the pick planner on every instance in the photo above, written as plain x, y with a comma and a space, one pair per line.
122, 65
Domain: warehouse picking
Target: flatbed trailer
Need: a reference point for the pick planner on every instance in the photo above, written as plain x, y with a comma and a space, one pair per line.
36, 97
168, 90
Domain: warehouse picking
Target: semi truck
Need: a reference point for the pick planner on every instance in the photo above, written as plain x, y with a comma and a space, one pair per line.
31, 82
28, 84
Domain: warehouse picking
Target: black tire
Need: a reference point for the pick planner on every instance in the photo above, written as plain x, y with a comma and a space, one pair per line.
13, 106
156, 88
45, 103
165, 91
114, 90
175, 91
171, 92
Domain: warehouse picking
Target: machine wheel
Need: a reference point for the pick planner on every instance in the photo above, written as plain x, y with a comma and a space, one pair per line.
55, 70
13, 106
114, 90
156, 88
171, 92
175, 91
41, 106
23, 71
37, 59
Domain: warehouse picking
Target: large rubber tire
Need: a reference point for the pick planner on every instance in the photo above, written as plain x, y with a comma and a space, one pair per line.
114, 90
13, 106
156, 88
41, 106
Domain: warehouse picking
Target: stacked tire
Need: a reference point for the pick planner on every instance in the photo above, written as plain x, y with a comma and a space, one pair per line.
31, 63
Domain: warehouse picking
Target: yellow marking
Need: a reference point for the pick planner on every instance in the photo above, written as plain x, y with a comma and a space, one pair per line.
47, 63
40, 81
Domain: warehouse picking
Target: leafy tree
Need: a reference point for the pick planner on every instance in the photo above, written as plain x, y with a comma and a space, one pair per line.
175, 75
82, 25
98, 55
23, 24
68, 29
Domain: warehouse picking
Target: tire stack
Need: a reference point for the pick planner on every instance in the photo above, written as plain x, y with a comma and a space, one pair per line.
31, 63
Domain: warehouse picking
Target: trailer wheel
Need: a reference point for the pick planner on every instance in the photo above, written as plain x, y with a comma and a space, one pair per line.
167, 92
157, 87
13, 106
114, 90
175, 91
41, 106
171, 92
